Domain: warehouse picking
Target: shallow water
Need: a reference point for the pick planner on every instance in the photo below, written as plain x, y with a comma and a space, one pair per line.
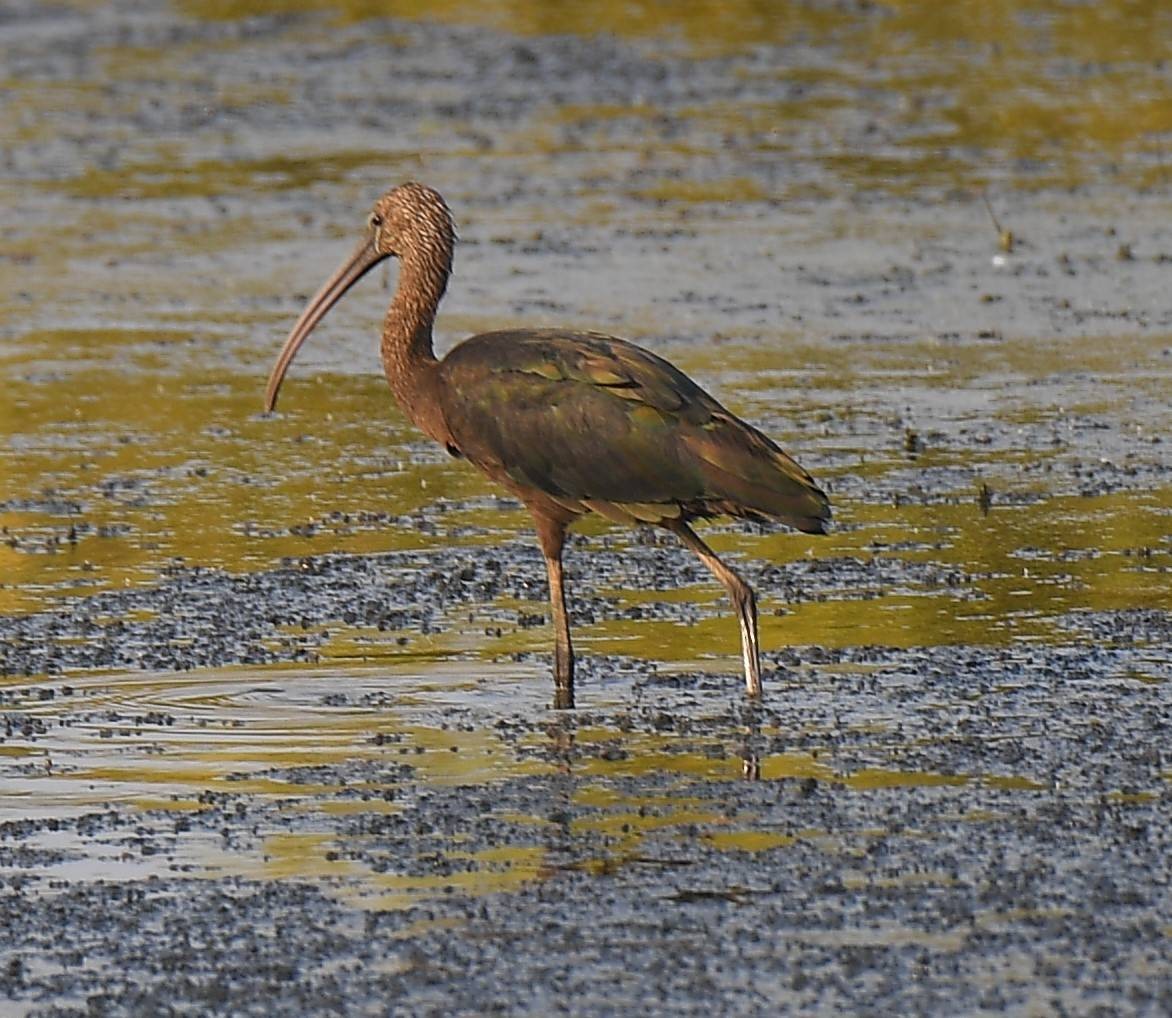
309, 647
135, 446
292, 752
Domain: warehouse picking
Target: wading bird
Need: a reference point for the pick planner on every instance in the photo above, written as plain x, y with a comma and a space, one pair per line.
569, 422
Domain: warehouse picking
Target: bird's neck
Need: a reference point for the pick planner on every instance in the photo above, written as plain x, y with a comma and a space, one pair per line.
407, 353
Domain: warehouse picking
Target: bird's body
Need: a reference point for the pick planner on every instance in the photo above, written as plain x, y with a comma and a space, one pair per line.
570, 422
598, 424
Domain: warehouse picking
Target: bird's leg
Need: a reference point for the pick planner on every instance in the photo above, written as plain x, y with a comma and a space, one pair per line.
552, 535
741, 595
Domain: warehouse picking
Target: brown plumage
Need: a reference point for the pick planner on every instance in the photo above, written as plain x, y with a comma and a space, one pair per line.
570, 422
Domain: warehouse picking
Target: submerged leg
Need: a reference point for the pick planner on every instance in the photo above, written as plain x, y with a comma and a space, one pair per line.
741, 595
552, 535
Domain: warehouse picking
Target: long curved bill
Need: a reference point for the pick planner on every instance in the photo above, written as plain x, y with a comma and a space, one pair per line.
365, 258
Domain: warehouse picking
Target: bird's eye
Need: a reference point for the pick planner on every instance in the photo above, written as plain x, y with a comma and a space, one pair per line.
376, 220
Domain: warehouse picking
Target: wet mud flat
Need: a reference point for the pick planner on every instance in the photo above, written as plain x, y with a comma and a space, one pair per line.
275, 737
930, 830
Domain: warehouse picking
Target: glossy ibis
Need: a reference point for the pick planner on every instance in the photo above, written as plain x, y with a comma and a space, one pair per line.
569, 422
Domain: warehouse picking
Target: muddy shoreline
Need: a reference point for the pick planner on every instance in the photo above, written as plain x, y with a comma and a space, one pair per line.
275, 733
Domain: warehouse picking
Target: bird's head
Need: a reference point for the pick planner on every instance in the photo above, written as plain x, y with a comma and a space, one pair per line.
411, 219
410, 222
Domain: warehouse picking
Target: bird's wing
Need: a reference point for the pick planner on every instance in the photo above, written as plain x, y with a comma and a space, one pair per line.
597, 421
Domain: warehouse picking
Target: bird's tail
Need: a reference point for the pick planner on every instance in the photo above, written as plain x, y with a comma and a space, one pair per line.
747, 474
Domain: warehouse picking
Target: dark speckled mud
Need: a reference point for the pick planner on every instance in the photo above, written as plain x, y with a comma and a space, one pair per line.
274, 725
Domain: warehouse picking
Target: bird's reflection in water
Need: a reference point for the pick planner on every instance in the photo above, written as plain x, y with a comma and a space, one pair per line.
751, 747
